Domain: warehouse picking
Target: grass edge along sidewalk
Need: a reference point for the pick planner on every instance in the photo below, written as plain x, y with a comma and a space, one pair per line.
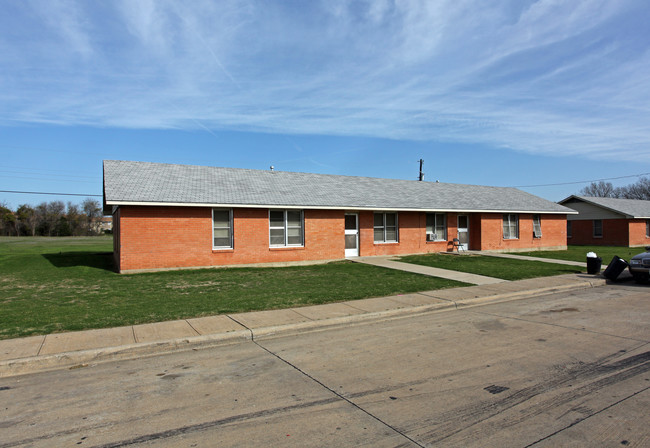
506, 269
58, 284
579, 253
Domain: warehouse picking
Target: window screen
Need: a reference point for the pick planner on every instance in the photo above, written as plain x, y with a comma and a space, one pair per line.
537, 226
510, 227
436, 227
385, 227
221, 228
598, 228
286, 228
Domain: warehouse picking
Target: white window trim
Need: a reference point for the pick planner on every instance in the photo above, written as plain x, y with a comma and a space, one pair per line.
383, 215
647, 228
230, 228
510, 237
437, 237
286, 227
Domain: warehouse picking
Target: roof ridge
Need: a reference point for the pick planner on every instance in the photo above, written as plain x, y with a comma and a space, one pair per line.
149, 183
256, 170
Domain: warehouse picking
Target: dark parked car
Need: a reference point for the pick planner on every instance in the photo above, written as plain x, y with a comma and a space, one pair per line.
640, 266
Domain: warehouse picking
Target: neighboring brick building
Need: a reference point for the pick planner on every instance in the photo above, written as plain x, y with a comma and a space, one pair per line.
608, 221
177, 216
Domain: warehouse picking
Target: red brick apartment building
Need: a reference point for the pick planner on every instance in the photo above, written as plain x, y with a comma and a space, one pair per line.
608, 221
180, 216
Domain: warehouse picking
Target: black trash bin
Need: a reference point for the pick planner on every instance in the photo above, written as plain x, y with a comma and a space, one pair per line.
615, 267
594, 264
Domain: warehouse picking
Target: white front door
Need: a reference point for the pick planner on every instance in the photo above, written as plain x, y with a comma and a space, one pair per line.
351, 235
463, 231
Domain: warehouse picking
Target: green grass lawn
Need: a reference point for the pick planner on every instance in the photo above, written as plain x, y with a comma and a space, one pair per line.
50, 285
491, 266
579, 253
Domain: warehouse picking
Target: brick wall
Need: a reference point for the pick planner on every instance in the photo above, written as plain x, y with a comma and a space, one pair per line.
172, 237
177, 237
116, 238
491, 233
615, 233
412, 235
637, 232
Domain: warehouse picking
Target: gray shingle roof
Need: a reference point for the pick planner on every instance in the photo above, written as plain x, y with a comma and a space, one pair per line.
631, 208
156, 183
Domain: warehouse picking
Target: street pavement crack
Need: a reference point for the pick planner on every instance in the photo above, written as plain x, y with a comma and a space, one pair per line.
320, 383
40, 347
192, 327
237, 322
587, 417
440, 298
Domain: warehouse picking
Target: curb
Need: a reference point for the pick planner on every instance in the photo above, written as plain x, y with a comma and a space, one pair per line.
506, 297
83, 358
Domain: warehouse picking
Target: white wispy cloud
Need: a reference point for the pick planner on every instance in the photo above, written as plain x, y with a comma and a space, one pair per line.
551, 77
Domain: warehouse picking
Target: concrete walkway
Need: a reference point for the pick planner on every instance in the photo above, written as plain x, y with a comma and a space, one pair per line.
390, 263
78, 349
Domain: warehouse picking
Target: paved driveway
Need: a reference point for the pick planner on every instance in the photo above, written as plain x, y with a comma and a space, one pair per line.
561, 370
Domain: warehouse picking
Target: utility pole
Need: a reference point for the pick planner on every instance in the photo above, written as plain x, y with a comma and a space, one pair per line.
421, 178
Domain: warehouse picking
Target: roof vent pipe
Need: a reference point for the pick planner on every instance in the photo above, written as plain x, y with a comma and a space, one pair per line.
271, 168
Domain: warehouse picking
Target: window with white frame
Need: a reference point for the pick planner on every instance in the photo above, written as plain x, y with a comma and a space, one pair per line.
647, 228
436, 227
221, 228
537, 226
598, 228
385, 227
510, 226
286, 228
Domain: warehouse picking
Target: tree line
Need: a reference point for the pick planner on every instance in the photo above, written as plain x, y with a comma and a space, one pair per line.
638, 190
52, 219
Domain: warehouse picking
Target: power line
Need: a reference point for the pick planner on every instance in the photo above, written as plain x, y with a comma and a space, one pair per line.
53, 194
581, 182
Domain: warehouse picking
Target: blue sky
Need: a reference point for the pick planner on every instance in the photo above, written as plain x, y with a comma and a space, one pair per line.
505, 93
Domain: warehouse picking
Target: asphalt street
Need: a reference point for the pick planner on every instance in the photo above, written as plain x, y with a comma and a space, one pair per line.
568, 369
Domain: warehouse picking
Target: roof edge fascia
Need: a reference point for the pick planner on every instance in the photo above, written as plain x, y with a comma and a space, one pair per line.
315, 207
583, 199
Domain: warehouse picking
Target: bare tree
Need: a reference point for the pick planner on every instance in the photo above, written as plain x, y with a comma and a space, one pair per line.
51, 219
599, 190
638, 190
55, 210
76, 220
93, 211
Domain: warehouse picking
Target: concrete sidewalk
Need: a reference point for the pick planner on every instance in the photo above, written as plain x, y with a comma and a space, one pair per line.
78, 349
